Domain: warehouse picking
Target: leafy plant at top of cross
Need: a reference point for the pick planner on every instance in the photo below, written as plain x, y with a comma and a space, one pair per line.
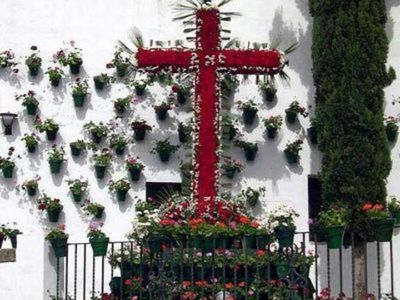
7, 60
334, 216
80, 87
103, 159
77, 186
94, 231
48, 125
57, 233
34, 61
31, 140
56, 154
47, 203
28, 98
282, 216
133, 163
119, 185
92, 208
268, 87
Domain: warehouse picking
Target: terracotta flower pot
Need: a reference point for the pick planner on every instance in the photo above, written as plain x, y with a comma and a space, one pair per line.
99, 246
79, 99
135, 174
60, 247
31, 109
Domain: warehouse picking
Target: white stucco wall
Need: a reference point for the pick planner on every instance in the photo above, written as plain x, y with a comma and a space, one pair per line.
96, 26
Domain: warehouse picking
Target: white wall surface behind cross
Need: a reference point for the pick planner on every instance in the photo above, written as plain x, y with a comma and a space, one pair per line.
95, 26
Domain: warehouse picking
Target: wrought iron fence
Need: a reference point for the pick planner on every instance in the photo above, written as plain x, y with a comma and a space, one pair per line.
247, 268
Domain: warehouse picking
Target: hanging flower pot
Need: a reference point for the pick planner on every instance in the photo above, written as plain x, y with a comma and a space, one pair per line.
139, 134
51, 134
96, 138
99, 213
285, 236
224, 242
249, 116
271, 132
120, 150
292, 158
162, 114
156, 244
121, 69
13, 240
8, 171
383, 229
203, 243
98, 84
121, 195
34, 70
230, 173
60, 247
75, 68
269, 96
79, 99
99, 246
282, 268
77, 197
31, 148
31, 109
100, 171
139, 90
181, 97
164, 155
75, 151
250, 153
31, 190
134, 174
291, 117
334, 236
55, 82
55, 166
53, 214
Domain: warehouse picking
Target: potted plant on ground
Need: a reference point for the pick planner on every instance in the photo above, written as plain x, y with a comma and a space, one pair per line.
7, 165
394, 208
101, 80
184, 132
140, 86
71, 58
120, 62
34, 62
391, 128
182, 92
49, 126
120, 187
31, 141
250, 110
78, 188
97, 239
30, 101
121, 104
231, 167
250, 149
7, 60
97, 131
12, 233
381, 220
293, 111
140, 127
101, 162
58, 239
334, 221
80, 89
164, 149
118, 142
268, 89
281, 221
273, 124
56, 158
55, 75
292, 151
53, 207
93, 209
229, 131
162, 109
31, 186
252, 196
134, 167
77, 147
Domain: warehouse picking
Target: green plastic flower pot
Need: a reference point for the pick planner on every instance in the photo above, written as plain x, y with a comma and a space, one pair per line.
292, 158
99, 213
268, 96
75, 151
156, 244
139, 90
282, 268
391, 134
51, 135
205, 244
230, 174
31, 190
31, 149
1, 242
55, 166
100, 171
53, 214
121, 69
134, 174
120, 110
263, 241
13, 240
313, 134
291, 117
252, 201
249, 116
334, 236
55, 82
250, 153
99, 246
164, 156
383, 229
34, 70
139, 134
31, 109
162, 115
120, 150
250, 242
224, 242
182, 136
396, 216
79, 99
96, 138
285, 236
77, 197
181, 97
60, 247
121, 195
8, 171
75, 68
271, 132
98, 84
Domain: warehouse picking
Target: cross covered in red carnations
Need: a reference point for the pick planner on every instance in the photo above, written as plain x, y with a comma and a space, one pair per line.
208, 61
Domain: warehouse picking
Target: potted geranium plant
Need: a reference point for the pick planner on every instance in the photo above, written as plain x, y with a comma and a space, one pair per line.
334, 221
292, 151
101, 80
77, 147
140, 127
250, 110
391, 128
71, 58
162, 109
182, 92
93, 209
121, 104
231, 167
164, 149
293, 111
49, 126
381, 220
140, 86
250, 149
34, 62
31, 186
58, 239
55, 75
97, 131
30, 101
394, 208
53, 207
12, 233
184, 132
78, 188
7, 165
273, 124
7, 60
80, 90
31, 141
120, 62
282, 220
97, 239
134, 167
101, 162
120, 187
56, 158
252, 196
202, 234
268, 89
118, 142
229, 131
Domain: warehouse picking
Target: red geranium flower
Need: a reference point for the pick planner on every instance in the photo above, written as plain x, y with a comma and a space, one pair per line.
367, 206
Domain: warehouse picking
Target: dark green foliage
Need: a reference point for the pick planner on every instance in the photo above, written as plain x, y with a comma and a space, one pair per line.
349, 66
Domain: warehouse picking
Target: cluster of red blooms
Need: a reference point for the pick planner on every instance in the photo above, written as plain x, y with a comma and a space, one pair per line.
369, 206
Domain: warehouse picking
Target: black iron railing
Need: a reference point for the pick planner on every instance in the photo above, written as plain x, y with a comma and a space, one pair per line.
246, 269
